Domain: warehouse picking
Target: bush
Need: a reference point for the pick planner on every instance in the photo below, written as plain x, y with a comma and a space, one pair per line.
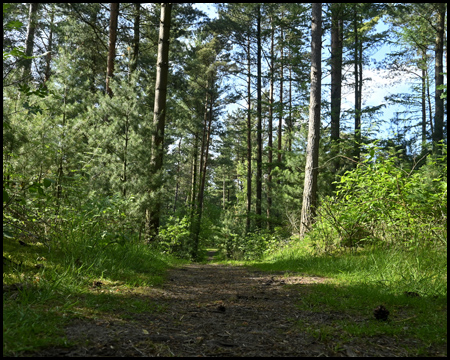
252, 246
379, 202
174, 236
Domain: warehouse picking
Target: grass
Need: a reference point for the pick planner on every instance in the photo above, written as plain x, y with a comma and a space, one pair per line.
361, 280
63, 289
69, 281
421, 318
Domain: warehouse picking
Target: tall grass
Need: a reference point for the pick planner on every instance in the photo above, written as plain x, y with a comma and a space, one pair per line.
394, 270
57, 281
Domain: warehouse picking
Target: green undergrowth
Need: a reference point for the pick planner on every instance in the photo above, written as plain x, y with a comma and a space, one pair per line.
411, 284
46, 286
417, 324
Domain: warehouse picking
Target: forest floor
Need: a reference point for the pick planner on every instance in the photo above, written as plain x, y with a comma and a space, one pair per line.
221, 310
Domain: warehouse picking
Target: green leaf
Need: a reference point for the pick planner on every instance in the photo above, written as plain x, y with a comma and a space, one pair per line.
14, 25
32, 109
17, 51
48, 182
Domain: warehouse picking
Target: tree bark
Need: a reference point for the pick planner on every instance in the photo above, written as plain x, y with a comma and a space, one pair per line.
49, 47
357, 61
29, 43
114, 14
312, 150
336, 78
259, 126
194, 173
159, 120
439, 78
270, 154
249, 139
136, 36
423, 101
177, 175
280, 119
290, 122
204, 139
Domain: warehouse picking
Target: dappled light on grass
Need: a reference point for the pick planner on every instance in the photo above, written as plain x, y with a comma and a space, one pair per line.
408, 282
72, 283
394, 270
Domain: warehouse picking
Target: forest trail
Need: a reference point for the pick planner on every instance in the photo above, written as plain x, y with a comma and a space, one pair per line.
216, 310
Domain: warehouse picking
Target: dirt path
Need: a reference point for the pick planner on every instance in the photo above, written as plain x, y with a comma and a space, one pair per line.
232, 311
209, 310
213, 310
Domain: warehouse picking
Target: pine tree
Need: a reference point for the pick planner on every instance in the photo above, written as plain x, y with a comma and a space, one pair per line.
153, 215
114, 14
259, 124
312, 151
31, 29
337, 24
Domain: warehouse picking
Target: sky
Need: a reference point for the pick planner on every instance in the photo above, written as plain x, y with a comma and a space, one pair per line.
382, 83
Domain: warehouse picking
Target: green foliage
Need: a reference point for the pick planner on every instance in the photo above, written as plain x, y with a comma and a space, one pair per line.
251, 246
60, 288
443, 87
381, 203
174, 236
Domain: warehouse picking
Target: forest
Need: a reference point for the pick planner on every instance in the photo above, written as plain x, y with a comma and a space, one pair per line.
212, 179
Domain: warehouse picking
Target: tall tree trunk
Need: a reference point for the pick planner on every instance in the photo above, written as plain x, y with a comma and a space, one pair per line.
357, 60
290, 122
259, 124
29, 42
439, 77
423, 101
194, 174
312, 150
201, 191
177, 175
159, 120
114, 14
204, 137
49, 46
280, 119
269, 180
336, 79
430, 112
136, 36
198, 198
249, 138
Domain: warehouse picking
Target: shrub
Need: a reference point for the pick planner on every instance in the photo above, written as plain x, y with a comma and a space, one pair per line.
174, 236
251, 246
379, 202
